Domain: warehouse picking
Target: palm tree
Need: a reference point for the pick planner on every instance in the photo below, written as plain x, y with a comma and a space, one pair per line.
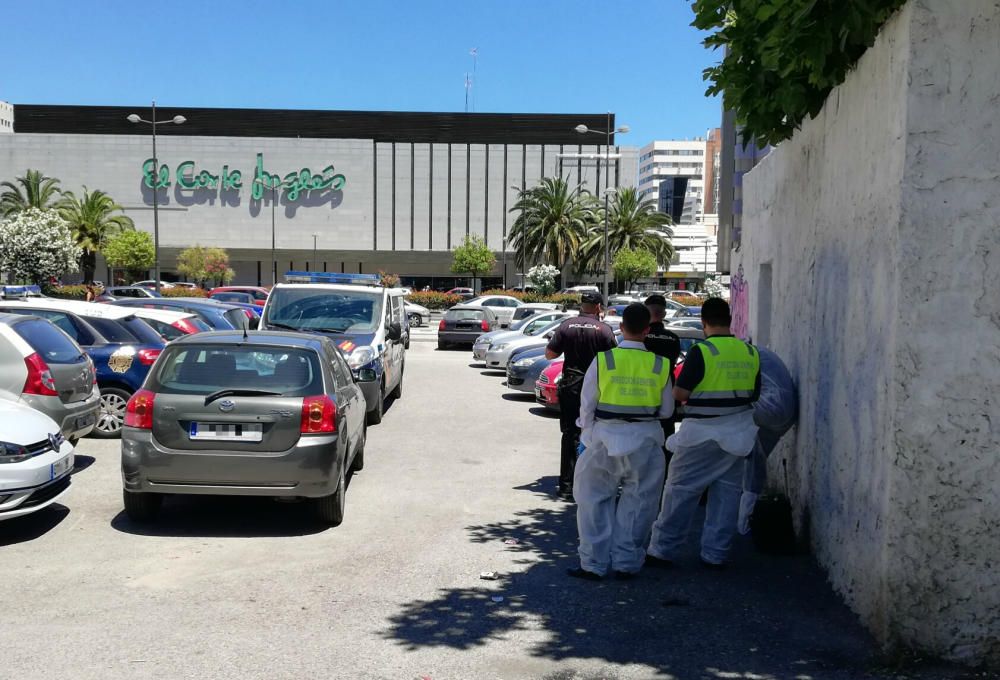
39, 192
91, 219
552, 224
632, 223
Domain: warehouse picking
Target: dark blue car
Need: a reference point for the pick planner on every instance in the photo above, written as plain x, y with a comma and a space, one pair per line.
122, 346
524, 367
220, 316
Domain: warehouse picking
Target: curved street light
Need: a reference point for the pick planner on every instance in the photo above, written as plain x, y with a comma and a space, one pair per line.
152, 122
621, 129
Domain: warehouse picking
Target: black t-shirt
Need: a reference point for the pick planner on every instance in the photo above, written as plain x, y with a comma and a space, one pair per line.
693, 370
662, 342
580, 338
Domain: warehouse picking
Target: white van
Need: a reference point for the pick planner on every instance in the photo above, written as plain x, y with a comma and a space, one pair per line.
365, 319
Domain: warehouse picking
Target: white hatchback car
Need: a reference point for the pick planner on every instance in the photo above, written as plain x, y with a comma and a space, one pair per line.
503, 306
35, 461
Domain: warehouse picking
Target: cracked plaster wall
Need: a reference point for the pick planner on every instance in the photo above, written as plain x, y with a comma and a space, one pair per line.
881, 221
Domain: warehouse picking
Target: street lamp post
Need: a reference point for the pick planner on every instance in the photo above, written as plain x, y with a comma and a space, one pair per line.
707, 242
152, 122
274, 186
621, 129
315, 236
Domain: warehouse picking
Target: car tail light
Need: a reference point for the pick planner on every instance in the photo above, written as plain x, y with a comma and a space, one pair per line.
39, 380
185, 326
250, 315
147, 357
441, 325
485, 325
139, 410
319, 414
93, 369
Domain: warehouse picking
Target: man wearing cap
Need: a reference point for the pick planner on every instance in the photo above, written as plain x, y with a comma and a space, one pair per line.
580, 339
626, 392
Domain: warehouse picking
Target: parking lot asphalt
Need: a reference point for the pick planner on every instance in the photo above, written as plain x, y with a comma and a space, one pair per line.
458, 481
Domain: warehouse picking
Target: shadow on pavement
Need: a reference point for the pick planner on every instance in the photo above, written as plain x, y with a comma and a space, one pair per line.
81, 462
494, 373
226, 516
543, 412
770, 618
523, 397
29, 527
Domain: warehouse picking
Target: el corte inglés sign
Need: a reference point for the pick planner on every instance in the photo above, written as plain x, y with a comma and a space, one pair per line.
292, 185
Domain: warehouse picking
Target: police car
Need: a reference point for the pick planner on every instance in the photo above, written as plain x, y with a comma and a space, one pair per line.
366, 320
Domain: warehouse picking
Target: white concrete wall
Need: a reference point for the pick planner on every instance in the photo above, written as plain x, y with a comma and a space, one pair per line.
880, 224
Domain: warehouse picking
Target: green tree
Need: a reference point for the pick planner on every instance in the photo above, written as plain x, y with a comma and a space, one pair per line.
202, 265
632, 264
784, 56
552, 223
36, 245
632, 223
473, 257
35, 191
132, 251
92, 219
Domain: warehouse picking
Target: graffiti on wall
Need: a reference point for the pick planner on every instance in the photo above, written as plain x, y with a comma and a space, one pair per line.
739, 304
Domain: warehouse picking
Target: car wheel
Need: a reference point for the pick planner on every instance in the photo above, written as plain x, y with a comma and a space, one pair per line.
375, 415
397, 392
359, 454
415, 320
111, 415
330, 509
142, 507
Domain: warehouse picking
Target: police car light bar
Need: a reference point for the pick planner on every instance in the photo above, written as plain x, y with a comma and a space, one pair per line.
333, 277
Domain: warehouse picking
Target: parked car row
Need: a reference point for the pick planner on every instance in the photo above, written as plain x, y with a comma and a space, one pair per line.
281, 412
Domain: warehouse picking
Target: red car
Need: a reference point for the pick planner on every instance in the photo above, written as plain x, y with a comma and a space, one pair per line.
547, 385
259, 293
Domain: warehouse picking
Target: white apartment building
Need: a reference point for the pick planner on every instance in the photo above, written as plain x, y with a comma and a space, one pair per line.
674, 173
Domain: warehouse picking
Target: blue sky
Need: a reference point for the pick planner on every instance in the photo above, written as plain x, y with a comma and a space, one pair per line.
640, 59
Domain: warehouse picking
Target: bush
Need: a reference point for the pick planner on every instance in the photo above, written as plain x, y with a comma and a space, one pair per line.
531, 296
180, 291
75, 292
433, 299
689, 300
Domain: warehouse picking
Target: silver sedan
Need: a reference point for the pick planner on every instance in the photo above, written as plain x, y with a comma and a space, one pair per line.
499, 353
528, 326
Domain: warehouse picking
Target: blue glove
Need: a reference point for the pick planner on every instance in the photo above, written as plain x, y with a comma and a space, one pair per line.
580, 448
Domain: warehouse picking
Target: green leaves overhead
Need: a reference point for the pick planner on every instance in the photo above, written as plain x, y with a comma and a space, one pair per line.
784, 56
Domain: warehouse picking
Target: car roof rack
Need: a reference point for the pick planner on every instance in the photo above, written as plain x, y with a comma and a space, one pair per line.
334, 277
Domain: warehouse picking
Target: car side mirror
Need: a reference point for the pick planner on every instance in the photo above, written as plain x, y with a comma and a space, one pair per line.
548, 336
394, 331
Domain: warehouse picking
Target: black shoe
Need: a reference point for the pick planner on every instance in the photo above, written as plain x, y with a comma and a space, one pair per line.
580, 572
658, 562
565, 494
713, 566
624, 575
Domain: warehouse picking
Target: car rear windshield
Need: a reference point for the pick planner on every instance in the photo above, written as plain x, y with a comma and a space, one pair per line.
237, 317
465, 315
204, 369
50, 343
112, 330
142, 330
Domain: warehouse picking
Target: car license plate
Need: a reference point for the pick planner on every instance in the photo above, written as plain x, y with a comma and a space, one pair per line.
60, 467
538, 393
85, 421
227, 432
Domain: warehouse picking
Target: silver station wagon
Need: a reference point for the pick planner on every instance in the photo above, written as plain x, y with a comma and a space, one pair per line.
258, 414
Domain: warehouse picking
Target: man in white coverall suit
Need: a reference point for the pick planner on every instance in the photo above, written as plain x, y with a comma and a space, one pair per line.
626, 393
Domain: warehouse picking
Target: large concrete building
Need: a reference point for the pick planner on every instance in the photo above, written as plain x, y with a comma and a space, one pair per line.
681, 176
361, 191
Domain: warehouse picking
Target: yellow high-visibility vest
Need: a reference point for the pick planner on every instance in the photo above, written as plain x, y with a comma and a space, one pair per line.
630, 384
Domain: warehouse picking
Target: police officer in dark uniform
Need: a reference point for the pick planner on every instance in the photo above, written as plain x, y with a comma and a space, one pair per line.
580, 339
662, 342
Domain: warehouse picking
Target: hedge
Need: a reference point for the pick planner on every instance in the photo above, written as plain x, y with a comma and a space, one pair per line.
181, 291
433, 300
76, 292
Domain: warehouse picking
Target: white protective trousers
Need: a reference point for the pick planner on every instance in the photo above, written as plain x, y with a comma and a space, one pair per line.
613, 536
692, 470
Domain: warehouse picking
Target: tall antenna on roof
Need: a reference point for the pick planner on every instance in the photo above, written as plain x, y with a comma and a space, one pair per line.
474, 53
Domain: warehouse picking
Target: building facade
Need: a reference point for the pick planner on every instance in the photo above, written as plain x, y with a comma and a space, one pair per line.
681, 175
331, 190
